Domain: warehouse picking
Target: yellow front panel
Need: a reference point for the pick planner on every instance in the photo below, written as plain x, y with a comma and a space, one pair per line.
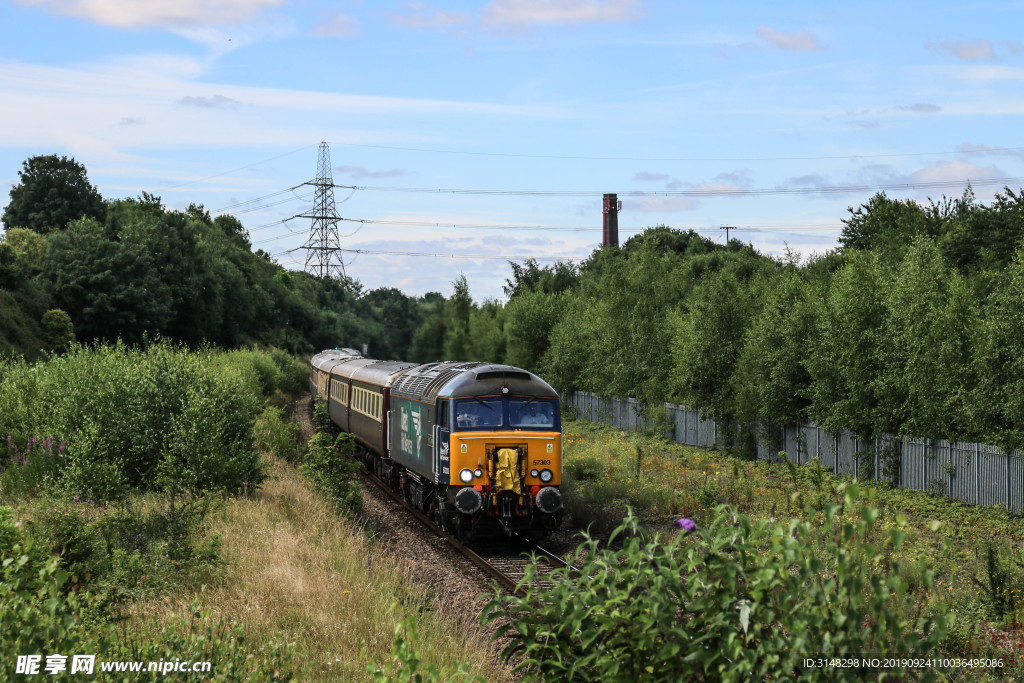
544, 451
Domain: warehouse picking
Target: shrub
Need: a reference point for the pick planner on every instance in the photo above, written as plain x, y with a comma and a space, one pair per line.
277, 437
406, 666
124, 552
738, 601
334, 474
38, 612
161, 417
26, 471
196, 636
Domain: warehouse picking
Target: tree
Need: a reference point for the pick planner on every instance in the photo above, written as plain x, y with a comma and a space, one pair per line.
530, 277
846, 361
457, 311
53, 192
58, 330
707, 342
771, 379
884, 225
111, 289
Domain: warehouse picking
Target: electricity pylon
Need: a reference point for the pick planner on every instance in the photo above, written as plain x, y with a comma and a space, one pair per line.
323, 250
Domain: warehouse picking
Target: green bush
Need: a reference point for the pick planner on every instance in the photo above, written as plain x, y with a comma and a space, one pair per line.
737, 601
197, 637
405, 665
329, 465
276, 436
123, 552
39, 612
26, 471
156, 418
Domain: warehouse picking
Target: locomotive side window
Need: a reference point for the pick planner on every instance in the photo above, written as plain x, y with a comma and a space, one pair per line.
443, 416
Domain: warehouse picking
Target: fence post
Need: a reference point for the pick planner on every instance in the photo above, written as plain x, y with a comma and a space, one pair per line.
977, 477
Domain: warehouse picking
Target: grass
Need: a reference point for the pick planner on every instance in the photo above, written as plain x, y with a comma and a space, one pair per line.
298, 572
975, 551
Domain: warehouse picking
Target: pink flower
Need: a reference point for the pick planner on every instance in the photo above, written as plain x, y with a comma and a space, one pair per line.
686, 524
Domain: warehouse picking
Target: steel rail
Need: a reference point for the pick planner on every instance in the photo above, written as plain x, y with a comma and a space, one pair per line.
503, 580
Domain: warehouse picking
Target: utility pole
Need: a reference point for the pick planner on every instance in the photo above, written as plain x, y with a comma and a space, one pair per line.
727, 228
323, 250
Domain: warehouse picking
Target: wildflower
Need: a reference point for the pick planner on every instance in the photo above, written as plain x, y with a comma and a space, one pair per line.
686, 524
76, 499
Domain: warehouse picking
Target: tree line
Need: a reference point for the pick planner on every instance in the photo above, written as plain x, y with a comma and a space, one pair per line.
913, 326
75, 266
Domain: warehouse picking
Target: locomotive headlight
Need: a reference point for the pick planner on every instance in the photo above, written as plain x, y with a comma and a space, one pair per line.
534, 473
466, 476
546, 475
478, 473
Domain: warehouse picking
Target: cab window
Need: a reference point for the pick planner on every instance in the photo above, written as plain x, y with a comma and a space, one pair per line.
476, 413
531, 413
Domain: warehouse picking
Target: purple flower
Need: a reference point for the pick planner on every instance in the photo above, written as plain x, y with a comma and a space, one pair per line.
76, 499
686, 524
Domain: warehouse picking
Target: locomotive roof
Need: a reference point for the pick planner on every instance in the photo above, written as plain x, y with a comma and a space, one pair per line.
427, 382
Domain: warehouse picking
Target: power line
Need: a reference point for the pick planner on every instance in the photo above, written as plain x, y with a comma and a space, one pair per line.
245, 203
724, 192
453, 256
240, 168
1008, 150
577, 228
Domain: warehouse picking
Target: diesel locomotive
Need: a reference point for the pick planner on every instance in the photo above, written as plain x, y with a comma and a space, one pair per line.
475, 446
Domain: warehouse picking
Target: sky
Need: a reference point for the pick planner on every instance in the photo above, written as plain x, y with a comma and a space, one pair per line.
464, 130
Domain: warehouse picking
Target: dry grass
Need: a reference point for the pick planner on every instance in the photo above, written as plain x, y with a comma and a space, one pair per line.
298, 572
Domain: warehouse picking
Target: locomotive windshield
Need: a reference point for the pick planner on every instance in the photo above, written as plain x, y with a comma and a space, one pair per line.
507, 413
530, 413
478, 412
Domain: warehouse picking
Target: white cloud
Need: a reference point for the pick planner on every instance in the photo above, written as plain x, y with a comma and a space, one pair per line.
519, 13
965, 49
920, 108
975, 150
214, 102
362, 172
979, 73
954, 171
419, 15
158, 13
335, 24
646, 176
798, 41
639, 201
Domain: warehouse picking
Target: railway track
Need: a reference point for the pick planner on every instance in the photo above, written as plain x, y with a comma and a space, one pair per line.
505, 565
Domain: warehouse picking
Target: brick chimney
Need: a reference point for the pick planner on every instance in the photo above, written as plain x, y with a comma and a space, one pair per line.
611, 221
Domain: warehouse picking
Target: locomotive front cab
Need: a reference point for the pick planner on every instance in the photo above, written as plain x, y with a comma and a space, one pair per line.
505, 460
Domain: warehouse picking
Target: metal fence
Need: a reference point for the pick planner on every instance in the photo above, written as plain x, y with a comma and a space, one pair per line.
971, 472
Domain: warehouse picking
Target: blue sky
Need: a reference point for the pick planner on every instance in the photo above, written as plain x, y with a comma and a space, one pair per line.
772, 117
